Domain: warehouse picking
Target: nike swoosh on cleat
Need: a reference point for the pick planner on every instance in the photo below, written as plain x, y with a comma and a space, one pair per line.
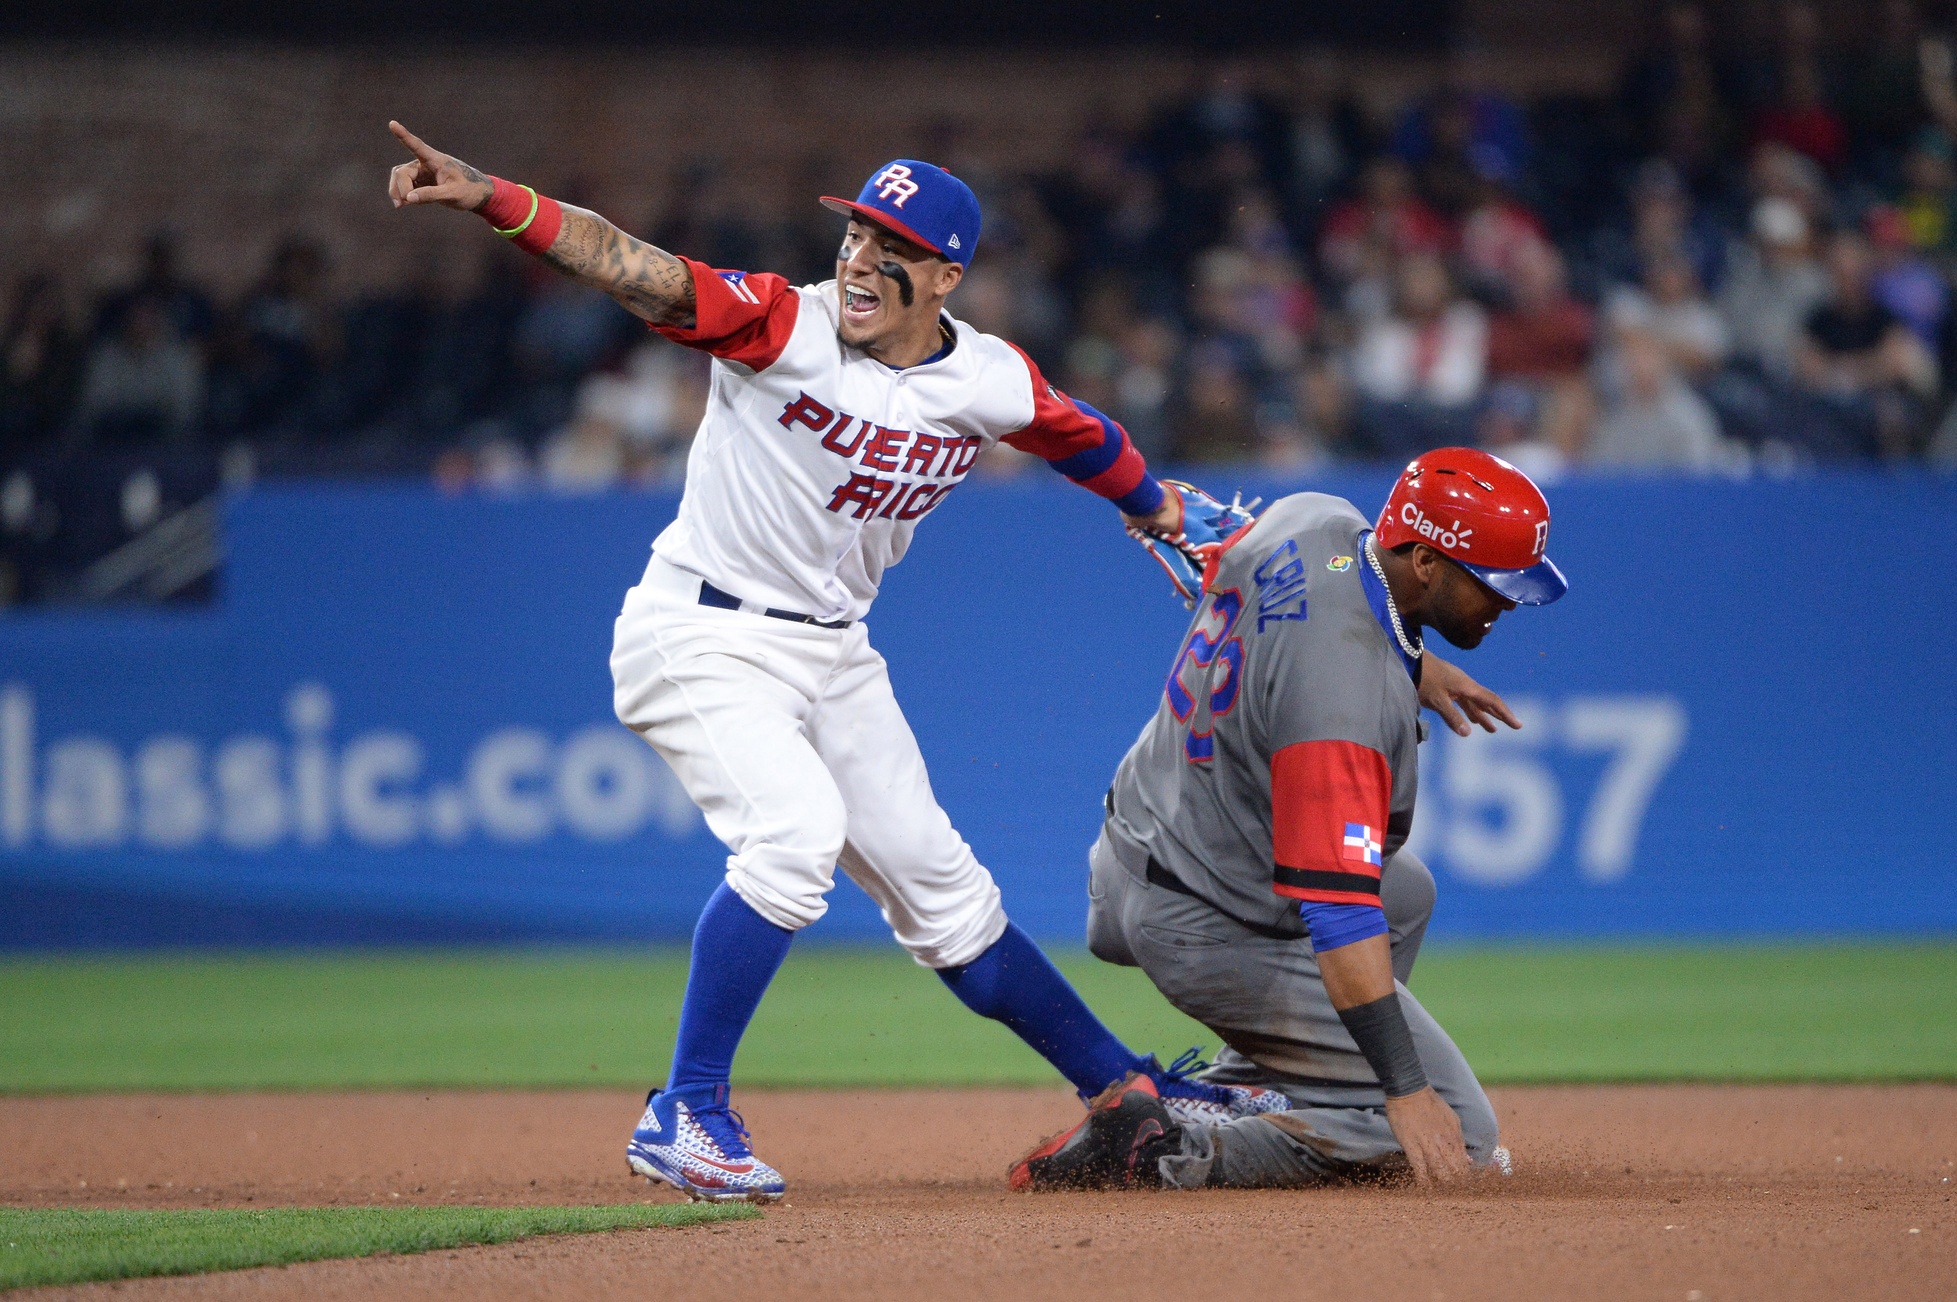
743, 1168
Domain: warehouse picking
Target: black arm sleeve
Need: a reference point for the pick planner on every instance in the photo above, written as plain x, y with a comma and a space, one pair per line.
1381, 1032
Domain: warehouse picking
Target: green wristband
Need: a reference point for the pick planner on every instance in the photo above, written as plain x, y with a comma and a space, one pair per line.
524, 225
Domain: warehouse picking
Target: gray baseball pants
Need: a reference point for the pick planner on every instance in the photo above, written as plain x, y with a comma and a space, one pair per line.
1264, 997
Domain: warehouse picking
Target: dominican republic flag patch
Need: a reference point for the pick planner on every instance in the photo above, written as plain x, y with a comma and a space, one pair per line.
1361, 844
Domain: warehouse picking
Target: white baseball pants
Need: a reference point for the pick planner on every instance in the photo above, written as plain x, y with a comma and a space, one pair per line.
789, 739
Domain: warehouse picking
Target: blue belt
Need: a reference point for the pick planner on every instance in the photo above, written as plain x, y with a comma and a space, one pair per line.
712, 596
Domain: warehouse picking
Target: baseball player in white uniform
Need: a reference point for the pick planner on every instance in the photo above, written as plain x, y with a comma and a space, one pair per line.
840, 415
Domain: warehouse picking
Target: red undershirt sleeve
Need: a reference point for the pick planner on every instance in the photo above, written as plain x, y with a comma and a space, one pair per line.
742, 317
1086, 446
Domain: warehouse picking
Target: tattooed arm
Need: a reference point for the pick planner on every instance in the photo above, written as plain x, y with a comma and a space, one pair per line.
649, 281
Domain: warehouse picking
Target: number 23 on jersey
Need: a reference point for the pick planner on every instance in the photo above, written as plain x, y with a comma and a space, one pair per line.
1207, 673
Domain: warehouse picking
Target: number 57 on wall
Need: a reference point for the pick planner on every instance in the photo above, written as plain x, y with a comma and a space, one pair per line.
1492, 808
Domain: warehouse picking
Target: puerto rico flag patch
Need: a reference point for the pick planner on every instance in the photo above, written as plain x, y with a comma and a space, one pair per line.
1362, 844
737, 281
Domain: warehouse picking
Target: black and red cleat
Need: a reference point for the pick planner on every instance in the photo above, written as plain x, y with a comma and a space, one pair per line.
1115, 1146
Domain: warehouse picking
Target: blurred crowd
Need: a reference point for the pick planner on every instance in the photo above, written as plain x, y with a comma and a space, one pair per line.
1743, 259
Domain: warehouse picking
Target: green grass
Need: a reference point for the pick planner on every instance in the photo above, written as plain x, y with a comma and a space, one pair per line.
1787, 1013
871, 1017
68, 1246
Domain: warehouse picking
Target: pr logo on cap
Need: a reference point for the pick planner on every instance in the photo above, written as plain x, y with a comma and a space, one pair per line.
921, 202
894, 183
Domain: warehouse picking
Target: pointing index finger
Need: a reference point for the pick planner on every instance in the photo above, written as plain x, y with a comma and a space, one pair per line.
413, 142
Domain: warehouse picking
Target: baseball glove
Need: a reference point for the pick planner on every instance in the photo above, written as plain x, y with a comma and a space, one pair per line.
1206, 524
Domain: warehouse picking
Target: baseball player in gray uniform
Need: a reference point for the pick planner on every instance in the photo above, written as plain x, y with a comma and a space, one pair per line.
1252, 861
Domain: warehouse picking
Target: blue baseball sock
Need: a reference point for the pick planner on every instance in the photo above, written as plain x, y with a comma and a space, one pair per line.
736, 953
1014, 983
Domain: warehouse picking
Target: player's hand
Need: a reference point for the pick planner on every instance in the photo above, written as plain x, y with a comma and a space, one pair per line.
1443, 687
1430, 1136
1190, 515
1167, 519
434, 177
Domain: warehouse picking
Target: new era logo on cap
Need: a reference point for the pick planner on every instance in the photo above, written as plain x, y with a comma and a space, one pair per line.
923, 203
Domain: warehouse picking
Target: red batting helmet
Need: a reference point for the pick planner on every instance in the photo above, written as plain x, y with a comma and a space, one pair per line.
1484, 514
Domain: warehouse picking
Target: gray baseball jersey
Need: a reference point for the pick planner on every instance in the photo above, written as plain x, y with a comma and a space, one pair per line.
1281, 764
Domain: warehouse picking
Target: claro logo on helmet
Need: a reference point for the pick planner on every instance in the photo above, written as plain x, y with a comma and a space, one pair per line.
1454, 536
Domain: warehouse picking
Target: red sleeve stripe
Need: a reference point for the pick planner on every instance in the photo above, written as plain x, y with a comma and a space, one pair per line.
1121, 478
1318, 788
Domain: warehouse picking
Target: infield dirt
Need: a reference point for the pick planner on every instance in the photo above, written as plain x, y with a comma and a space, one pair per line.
1686, 1193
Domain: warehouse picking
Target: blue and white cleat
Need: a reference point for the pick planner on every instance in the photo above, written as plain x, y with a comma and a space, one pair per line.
700, 1149
1199, 1103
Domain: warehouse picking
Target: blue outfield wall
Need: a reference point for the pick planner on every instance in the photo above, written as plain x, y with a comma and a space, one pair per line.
396, 724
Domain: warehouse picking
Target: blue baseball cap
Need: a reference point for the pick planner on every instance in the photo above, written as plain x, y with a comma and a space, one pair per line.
925, 204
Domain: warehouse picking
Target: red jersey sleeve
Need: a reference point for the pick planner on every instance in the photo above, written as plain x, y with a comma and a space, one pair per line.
1087, 447
741, 317
1329, 802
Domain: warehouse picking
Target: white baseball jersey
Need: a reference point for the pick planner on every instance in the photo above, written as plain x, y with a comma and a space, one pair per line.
815, 462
